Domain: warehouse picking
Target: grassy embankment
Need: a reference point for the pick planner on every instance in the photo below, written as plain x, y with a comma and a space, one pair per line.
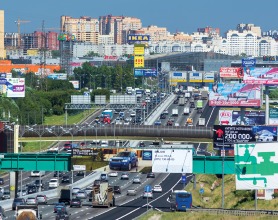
234, 199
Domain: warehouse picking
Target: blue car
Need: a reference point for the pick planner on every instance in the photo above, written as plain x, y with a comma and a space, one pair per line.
124, 160
157, 123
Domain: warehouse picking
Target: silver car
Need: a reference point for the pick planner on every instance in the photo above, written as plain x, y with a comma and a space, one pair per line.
31, 201
75, 190
24, 193
81, 194
147, 195
131, 192
41, 199
136, 180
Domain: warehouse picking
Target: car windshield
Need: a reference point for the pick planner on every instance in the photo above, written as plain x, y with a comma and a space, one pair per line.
53, 181
18, 200
123, 154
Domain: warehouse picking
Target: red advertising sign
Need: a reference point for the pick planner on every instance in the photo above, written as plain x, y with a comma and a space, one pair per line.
231, 72
114, 58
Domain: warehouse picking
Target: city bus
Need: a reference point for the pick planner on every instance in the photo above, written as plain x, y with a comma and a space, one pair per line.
180, 200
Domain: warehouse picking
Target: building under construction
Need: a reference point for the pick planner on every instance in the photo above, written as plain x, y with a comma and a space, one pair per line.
66, 47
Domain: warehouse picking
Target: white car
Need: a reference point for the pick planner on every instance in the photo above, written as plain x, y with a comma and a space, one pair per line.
157, 188
126, 123
53, 183
132, 114
147, 195
113, 174
36, 173
265, 137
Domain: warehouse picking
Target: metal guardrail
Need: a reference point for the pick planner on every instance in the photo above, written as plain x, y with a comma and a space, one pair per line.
235, 212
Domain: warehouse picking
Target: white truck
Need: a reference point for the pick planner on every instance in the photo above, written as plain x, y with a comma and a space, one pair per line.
175, 112
186, 111
202, 122
147, 92
181, 100
187, 95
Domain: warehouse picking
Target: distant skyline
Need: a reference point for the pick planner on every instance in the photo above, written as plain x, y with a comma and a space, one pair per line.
175, 15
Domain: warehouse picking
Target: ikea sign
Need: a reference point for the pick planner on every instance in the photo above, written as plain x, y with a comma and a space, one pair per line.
134, 38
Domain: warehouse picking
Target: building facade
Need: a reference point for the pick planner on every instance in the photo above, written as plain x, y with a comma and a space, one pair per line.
2, 31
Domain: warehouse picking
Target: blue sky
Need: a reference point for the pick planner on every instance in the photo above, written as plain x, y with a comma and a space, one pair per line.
176, 15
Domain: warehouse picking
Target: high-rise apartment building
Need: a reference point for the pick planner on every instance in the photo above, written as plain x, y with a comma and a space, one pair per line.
2, 49
156, 33
118, 26
249, 27
85, 29
47, 40
210, 31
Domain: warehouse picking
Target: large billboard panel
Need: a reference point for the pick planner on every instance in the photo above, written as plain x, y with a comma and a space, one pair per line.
195, 77
266, 76
226, 136
231, 72
234, 94
172, 161
145, 72
75, 84
139, 49
231, 117
208, 77
256, 166
15, 87
178, 76
139, 61
273, 116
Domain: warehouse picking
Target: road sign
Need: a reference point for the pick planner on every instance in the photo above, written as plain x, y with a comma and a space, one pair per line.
201, 191
183, 178
148, 188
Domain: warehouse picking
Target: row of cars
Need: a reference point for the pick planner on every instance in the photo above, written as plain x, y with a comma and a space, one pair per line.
32, 200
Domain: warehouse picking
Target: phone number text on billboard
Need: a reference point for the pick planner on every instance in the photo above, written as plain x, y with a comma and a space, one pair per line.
235, 103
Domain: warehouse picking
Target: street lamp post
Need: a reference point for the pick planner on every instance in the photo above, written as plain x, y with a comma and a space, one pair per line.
256, 191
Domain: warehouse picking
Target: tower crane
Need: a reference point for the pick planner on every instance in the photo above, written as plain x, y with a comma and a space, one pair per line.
18, 23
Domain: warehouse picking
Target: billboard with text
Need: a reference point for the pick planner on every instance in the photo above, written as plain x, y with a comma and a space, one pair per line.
266, 76
145, 72
15, 87
232, 117
231, 72
234, 94
178, 76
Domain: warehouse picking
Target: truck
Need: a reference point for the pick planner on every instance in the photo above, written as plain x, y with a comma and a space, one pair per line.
123, 160
202, 122
204, 95
107, 113
186, 111
187, 95
147, 92
24, 212
199, 106
175, 112
139, 93
103, 195
129, 90
181, 101
65, 196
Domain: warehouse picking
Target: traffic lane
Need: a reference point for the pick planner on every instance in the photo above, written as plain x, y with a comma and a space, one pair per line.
84, 212
129, 210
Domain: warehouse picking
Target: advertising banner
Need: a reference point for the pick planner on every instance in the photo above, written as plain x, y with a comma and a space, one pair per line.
234, 94
231, 72
145, 72
180, 76
147, 155
248, 62
75, 84
273, 116
195, 77
132, 38
15, 87
265, 76
83, 152
230, 135
231, 117
139, 50
139, 61
255, 166
172, 161
208, 77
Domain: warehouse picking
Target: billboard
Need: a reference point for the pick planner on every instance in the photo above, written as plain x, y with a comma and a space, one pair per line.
256, 166
83, 152
15, 87
231, 117
195, 77
273, 116
234, 94
145, 72
172, 161
231, 72
75, 84
178, 76
266, 76
248, 62
132, 38
139, 61
208, 77
139, 50
229, 135
58, 76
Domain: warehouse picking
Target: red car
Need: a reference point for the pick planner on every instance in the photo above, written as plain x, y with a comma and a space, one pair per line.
67, 146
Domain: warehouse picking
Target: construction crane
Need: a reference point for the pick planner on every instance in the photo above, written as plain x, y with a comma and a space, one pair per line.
18, 23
